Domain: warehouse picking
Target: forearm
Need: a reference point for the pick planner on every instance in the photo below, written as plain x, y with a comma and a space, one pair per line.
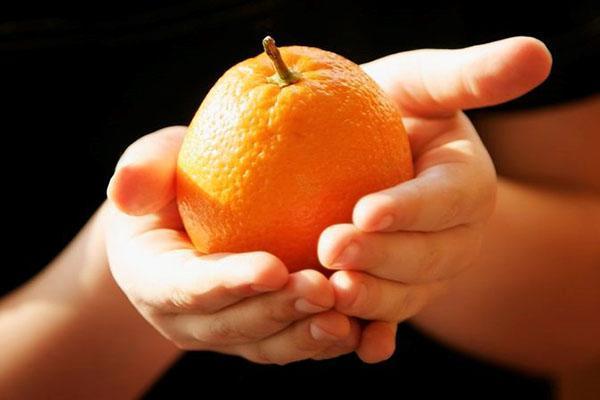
71, 333
532, 298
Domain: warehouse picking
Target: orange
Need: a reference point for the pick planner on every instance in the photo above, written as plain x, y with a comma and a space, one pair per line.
283, 146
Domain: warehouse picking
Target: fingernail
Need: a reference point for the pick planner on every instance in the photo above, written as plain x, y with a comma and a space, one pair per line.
306, 306
320, 334
384, 223
347, 256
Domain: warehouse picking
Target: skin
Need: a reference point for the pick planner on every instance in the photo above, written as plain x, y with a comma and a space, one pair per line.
69, 333
538, 269
408, 242
248, 304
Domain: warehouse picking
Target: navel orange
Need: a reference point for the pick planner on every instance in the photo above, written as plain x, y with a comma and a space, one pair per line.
283, 146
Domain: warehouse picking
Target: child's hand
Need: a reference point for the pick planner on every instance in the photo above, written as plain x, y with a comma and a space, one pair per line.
409, 240
244, 304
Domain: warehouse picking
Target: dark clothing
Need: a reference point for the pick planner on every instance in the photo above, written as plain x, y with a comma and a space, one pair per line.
82, 82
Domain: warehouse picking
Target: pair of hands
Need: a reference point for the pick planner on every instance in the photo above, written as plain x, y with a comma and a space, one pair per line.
403, 246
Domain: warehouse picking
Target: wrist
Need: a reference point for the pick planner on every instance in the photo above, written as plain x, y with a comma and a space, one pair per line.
71, 316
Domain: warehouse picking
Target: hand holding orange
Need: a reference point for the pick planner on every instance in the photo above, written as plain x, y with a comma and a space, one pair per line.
258, 184
283, 146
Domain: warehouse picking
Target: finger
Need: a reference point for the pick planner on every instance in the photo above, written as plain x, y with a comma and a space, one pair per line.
442, 197
161, 269
345, 346
455, 185
186, 282
144, 179
433, 83
303, 340
364, 296
409, 257
378, 342
307, 292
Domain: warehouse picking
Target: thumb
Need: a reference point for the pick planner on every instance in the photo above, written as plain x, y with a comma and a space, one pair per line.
144, 178
434, 83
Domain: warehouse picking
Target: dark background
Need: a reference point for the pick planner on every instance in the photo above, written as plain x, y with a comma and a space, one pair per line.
81, 82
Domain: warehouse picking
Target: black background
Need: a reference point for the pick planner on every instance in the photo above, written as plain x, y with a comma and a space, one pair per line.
81, 82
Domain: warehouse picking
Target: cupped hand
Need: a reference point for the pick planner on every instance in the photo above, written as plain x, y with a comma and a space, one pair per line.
408, 241
244, 304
